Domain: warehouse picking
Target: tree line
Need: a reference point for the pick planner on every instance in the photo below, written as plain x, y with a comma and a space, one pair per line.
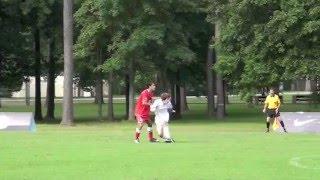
209, 46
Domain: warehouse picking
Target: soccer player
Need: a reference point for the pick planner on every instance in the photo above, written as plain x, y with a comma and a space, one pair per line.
271, 107
161, 107
142, 112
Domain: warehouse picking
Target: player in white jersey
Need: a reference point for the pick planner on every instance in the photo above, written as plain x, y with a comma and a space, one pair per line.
162, 107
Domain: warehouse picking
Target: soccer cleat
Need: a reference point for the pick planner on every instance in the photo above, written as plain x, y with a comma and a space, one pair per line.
137, 141
154, 140
285, 131
169, 141
267, 131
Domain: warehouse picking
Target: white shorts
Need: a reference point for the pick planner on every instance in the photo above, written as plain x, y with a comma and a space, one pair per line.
161, 125
163, 129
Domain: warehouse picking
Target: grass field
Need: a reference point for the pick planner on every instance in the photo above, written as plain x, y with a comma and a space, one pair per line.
235, 148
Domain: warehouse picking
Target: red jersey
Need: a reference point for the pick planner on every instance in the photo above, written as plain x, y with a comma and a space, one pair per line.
143, 111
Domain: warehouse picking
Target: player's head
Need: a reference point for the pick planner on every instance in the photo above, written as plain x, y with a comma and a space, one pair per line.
152, 86
272, 91
165, 96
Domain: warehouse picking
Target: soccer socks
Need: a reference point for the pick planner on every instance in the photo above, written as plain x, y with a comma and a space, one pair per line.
268, 125
282, 124
138, 133
150, 133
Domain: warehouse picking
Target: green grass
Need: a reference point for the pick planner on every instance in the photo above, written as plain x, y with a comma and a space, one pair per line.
235, 148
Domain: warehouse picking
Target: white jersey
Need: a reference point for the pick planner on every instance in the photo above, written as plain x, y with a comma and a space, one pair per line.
160, 108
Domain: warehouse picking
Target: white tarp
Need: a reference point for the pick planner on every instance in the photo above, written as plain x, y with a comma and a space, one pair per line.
302, 121
17, 121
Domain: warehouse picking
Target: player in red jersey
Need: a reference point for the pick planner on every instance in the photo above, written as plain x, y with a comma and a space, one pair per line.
142, 112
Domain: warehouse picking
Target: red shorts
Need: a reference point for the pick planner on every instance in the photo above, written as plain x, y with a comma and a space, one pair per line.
141, 119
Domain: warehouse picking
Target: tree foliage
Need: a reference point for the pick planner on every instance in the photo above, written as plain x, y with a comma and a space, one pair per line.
266, 41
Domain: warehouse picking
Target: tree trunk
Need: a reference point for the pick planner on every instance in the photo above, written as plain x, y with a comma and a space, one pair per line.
96, 100
79, 92
99, 96
173, 94
178, 102
313, 85
131, 90
67, 117
308, 85
163, 85
92, 93
51, 82
110, 97
183, 97
210, 83
221, 98
301, 84
219, 82
226, 97
38, 111
27, 91
98, 90
127, 88
293, 86
99, 93
178, 97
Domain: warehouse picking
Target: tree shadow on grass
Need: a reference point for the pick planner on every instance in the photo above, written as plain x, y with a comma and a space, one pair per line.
84, 120
235, 114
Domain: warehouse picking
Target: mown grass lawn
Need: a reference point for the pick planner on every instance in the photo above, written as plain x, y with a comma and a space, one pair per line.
234, 148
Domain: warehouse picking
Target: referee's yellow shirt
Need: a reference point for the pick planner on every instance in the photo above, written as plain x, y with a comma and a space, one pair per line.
273, 102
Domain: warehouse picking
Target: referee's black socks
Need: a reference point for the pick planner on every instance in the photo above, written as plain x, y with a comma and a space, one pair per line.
282, 124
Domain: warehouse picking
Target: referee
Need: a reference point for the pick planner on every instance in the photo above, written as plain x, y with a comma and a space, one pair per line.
271, 108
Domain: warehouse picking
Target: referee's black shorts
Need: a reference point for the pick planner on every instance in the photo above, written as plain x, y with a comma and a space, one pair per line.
271, 113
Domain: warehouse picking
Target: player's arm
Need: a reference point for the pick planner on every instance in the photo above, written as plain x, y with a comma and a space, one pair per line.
153, 107
146, 102
170, 107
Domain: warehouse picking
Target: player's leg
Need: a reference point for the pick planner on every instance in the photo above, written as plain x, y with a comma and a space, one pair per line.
150, 132
159, 129
138, 129
270, 115
281, 122
268, 124
166, 133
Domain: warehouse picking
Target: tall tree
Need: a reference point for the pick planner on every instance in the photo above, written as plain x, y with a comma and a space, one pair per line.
99, 83
67, 116
221, 112
35, 15
210, 82
183, 97
178, 97
51, 81
52, 32
131, 74
127, 88
265, 42
92, 46
37, 68
15, 63
27, 90
110, 96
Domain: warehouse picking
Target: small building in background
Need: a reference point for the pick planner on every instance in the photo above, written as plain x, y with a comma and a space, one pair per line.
77, 91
